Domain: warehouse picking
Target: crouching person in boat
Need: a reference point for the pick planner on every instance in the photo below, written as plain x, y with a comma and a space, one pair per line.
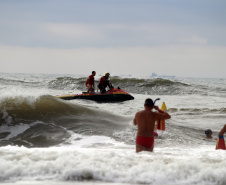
90, 82
104, 82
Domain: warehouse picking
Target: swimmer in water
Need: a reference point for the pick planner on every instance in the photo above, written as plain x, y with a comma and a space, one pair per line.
209, 133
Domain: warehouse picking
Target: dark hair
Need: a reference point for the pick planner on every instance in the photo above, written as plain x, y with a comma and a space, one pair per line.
93, 72
208, 131
149, 102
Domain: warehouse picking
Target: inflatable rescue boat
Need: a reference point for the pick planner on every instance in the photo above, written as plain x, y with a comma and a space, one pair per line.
113, 95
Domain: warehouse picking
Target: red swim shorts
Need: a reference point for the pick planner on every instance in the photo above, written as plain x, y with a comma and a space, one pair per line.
147, 142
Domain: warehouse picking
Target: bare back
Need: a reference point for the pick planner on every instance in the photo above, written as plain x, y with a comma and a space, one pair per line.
145, 121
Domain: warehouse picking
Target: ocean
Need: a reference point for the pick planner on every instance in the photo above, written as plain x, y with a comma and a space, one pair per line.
47, 140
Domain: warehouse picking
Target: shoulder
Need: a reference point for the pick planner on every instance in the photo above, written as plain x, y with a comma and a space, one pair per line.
157, 114
138, 113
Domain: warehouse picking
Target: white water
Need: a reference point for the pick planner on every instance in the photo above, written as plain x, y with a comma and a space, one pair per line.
114, 162
180, 156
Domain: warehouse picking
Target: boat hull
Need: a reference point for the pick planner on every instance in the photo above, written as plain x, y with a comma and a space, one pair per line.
114, 95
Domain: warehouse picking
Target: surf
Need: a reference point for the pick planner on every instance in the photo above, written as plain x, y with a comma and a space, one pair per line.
47, 121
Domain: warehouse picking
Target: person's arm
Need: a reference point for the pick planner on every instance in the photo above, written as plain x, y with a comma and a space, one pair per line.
93, 83
161, 114
223, 130
108, 84
88, 80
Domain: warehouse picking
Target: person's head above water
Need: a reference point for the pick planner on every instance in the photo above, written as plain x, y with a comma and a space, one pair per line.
149, 103
208, 133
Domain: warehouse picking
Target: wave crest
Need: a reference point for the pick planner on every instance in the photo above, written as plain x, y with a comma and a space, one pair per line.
47, 121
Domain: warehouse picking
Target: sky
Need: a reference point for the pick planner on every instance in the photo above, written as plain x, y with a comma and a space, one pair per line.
183, 38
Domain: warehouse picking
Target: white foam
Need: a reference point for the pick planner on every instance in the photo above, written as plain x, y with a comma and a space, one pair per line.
81, 141
164, 166
15, 130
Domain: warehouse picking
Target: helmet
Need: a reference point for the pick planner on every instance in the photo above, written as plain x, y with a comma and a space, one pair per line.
107, 74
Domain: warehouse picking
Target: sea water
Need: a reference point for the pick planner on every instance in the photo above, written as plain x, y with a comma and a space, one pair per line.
44, 139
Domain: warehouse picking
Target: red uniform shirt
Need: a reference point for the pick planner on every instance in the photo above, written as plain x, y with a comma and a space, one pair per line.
104, 81
90, 80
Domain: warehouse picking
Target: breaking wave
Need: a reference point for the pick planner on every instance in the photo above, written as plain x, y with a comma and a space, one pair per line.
47, 121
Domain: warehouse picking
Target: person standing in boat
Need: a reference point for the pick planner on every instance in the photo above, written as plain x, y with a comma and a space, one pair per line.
104, 82
90, 82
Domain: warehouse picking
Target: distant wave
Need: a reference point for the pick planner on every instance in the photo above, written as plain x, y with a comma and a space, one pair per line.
10, 81
132, 85
4, 81
48, 120
153, 86
67, 83
146, 82
196, 110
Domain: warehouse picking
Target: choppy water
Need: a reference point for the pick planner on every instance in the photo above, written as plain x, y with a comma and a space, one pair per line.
43, 138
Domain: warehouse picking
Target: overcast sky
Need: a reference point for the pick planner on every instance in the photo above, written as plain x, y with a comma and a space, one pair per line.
185, 38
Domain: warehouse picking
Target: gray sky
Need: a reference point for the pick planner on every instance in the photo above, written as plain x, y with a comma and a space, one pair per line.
185, 38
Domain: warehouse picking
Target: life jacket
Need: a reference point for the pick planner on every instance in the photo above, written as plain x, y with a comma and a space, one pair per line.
104, 81
90, 79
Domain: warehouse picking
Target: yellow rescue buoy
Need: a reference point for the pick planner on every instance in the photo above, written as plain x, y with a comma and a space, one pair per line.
163, 106
161, 123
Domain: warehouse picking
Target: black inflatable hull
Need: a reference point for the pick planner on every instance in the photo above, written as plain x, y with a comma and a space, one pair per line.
114, 95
